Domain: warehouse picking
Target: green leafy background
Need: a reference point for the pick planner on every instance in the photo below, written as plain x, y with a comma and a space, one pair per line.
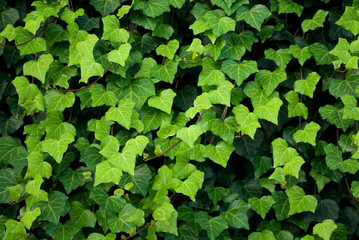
179, 119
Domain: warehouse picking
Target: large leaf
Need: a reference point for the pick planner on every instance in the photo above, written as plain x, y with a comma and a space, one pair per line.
254, 16
219, 153
105, 7
289, 6
210, 75
163, 101
269, 111
282, 154
191, 185
189, 134
270, 80
219, 25
261, 205
349, 20
236, 214
239, 71
316, 22
308, 134
299, 202
53, 208
38, 68
213, 225
122, 114
248, 121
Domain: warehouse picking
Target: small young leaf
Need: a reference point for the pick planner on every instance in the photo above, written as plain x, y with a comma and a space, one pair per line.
168, 50
307, 86
325, 229
308, 134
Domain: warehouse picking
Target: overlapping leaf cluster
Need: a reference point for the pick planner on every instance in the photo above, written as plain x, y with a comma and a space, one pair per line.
179, 119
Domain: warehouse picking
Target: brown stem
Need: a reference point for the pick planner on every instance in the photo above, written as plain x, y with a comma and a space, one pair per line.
72, 108
136, 233
337, 133
351, 195
20, 200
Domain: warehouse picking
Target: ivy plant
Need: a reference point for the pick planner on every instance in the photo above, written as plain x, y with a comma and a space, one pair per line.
179, 119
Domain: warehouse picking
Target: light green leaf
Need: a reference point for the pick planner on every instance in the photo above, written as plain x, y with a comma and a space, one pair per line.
210, 74
214, 50
168, 50
220, 153
221, 95
105, 7
26, 44
155, 8
213, 225
112, 30
289, 6
270, 80
122, 114
351, 111
138, 91
349, 20
53, 208
38, 68
320, 179
8, 32
86, 46
165, 72
341, 50
25, 90
37, 166
191, 185
281, 57
224, 128
59, 101
248, 121
239, 71
106, 172
316, 22
278, 175
282, 154
233, 48
14, 230
165, 179
196, 46
302, 54
30, 216
153, 118
264, 235
236, 214
270, 110
307, 86
163, 101
140, 179
341, 87
254, 16
308, 134
352, 63
189, 134
292, 167
354, 189
90, 68
199, 26
299, 202
219, 25
120, 55
295, 108
325, 229
69, 16
57, 147
100, 96
261, 205
333, 157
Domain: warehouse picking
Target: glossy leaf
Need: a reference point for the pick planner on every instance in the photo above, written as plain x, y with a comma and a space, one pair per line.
308, 134
254, 16
299, 202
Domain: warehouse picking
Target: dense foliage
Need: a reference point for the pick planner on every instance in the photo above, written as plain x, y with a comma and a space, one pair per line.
179, 119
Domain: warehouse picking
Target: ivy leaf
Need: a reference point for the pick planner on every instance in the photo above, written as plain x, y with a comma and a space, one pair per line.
236, 214
100, 96
163, 101
320, 179
25, 90
122, 114
120, 55
307, 86
153, 118
325, 229
308, 134
14, 230
341, 50
138, 91
233, 49
82, 216
106, 172
140, 179
59, 101
302, 54
155, 8
248, 121
220, 25
216, 194
295, 108
270, 110
282, 154
289, 6
120, 223
351, 111
57, 147
299, 202
72, 179
37, 166
189, 134
349, 20
335, 161
213, 225
165, 179
55, 127
281, 206
53, 208
316, 22
261, 205
199, 26
270, 80
30, 216
8, 17
281, 57
220, 153
90, 68
191, 185
105, 7
247, 38
165, 72
9, 125
32, 46
112, 30
334, 115
168, 50
225, 129
7, 179
239, 72
221, 95
38, 68
266, 234
321, 53
341, 87
210, 74
254, 16
292, 167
